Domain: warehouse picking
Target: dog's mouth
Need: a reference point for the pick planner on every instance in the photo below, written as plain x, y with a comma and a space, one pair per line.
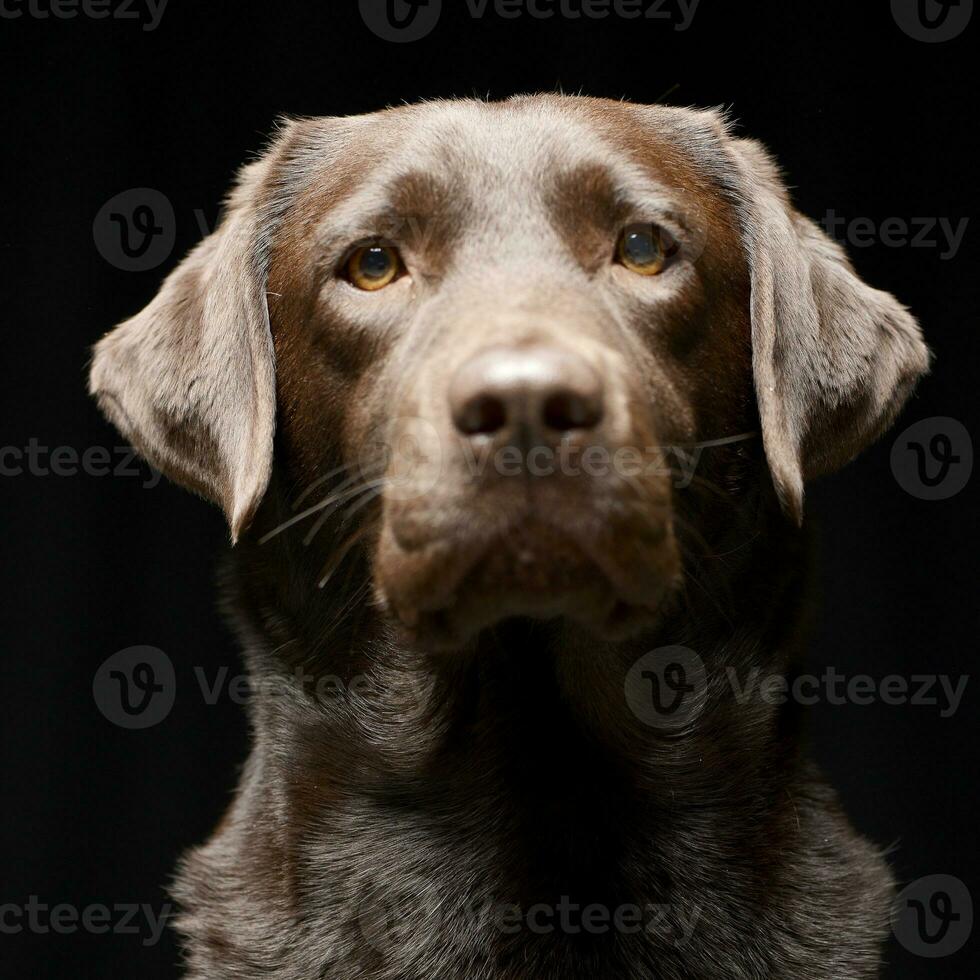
610, 577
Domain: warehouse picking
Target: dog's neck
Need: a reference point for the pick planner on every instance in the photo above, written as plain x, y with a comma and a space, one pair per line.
404, 815
531, 720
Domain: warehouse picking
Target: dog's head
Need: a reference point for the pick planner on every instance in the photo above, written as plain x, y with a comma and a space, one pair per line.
507, 326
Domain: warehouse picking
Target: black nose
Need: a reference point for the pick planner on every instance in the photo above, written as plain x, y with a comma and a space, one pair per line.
540, 389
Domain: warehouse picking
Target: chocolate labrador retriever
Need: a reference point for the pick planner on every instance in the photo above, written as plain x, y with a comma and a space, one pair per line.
510, 408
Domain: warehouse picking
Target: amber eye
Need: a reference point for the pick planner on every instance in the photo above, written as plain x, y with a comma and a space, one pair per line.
373, 266
645, 249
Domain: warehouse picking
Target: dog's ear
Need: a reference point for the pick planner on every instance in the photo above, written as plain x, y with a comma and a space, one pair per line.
190, 380
834, 360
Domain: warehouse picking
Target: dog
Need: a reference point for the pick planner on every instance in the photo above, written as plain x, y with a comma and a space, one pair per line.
447, 369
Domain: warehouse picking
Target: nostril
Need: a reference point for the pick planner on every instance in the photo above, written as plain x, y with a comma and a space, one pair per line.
537, 391
482, 415
565, 410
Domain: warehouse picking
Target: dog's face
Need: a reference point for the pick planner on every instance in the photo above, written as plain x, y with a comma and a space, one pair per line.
505, 322
533, 301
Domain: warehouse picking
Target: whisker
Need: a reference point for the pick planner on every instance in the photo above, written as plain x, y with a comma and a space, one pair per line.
337, 500
349, 606
711, 443
366, 470
363, 502
341, 553
319, 481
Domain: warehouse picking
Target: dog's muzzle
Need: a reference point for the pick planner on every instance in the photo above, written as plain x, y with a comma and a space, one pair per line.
512, 501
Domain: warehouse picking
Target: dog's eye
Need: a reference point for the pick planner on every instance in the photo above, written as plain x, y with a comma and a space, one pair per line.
373, 266
645, 249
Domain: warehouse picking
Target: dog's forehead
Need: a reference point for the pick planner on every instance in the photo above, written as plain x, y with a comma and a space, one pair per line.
501, 160
522, 140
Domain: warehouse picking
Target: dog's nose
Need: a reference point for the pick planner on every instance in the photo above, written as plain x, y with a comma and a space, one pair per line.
540, 389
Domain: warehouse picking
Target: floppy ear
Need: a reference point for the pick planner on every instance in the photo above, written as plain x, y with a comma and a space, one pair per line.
190, 380
834, 360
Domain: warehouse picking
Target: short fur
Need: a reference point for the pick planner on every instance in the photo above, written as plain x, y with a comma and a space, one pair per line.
476, 767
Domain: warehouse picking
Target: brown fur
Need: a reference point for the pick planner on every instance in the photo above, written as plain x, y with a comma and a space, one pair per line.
478, 753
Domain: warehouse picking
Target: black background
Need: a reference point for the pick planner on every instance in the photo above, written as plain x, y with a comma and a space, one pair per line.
866, 120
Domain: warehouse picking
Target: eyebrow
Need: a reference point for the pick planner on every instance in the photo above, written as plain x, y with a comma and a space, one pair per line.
417, 192
414, 208
587, 194
605, 197
590, 203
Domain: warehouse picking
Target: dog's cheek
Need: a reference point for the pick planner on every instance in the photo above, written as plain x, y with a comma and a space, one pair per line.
322, 379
